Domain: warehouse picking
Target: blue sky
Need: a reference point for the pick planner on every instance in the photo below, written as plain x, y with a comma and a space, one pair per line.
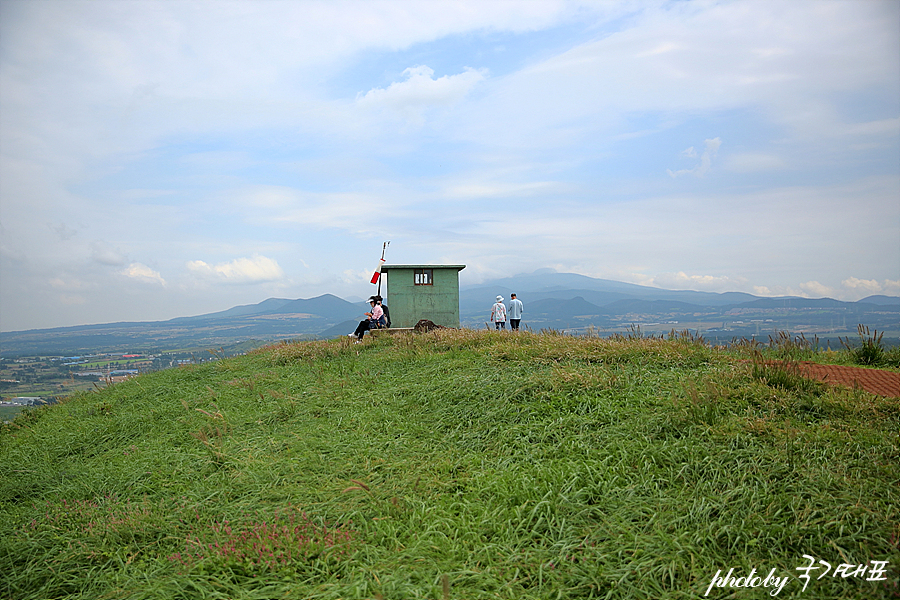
170, 158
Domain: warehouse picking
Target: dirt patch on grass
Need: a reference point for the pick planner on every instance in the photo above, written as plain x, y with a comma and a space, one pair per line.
874, 381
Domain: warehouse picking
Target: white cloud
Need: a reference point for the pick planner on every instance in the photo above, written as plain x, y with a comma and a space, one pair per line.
420, 91
68, 284
763, 290
143, 273
869, 286
778, 290
710, 151
814, 289
240, 270
851, 289
359, 213
889, 128
679, 60
860, 288
704, 283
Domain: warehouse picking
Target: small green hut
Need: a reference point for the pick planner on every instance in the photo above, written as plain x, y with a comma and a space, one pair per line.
416, 292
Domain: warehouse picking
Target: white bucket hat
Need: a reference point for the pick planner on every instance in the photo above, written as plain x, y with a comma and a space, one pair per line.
499, 298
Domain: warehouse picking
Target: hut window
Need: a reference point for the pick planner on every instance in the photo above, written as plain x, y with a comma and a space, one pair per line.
424, 277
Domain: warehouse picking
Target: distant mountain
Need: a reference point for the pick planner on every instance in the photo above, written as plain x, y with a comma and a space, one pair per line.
882, 300
272, 319
327, 305
574, 307
545, 284
660, 307
571, 302
564, 301
270, 305
547, 280
479, 299
552, 311
793, 303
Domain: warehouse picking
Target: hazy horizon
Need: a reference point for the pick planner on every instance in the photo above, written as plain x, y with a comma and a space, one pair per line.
523, 294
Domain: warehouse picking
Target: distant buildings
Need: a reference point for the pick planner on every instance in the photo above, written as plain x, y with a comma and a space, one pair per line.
25, 401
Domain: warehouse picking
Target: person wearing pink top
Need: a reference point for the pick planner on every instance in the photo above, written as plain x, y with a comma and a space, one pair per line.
376, 319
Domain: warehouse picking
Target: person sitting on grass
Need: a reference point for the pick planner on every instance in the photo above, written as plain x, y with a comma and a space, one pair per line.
376, 319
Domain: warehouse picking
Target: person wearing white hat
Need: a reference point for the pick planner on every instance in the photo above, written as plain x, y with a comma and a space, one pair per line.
498, 314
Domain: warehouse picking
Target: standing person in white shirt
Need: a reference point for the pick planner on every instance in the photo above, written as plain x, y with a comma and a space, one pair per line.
516, 308
498, 313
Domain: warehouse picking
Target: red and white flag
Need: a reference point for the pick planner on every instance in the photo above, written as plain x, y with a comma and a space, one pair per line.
377, 272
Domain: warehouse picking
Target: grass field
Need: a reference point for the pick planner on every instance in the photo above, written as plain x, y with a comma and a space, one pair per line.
457, 464
8, 413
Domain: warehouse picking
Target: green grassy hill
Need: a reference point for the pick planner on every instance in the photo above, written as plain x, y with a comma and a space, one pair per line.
454, 464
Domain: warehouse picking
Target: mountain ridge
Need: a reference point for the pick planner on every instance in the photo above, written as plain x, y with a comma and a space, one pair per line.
552, 300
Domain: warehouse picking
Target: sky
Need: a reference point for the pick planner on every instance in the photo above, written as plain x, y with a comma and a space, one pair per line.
166, 158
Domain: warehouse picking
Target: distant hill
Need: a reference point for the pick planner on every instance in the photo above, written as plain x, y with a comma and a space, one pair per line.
572, 302
543, 284
327, 305
565, 301
270, 305
793, 303
271, 319
624, 307
881, 300
570, 308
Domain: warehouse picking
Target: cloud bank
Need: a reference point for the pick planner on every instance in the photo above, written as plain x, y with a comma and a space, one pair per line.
240, 270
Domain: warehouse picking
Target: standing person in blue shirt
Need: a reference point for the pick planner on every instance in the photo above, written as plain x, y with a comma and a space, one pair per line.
516, 308
498, 313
